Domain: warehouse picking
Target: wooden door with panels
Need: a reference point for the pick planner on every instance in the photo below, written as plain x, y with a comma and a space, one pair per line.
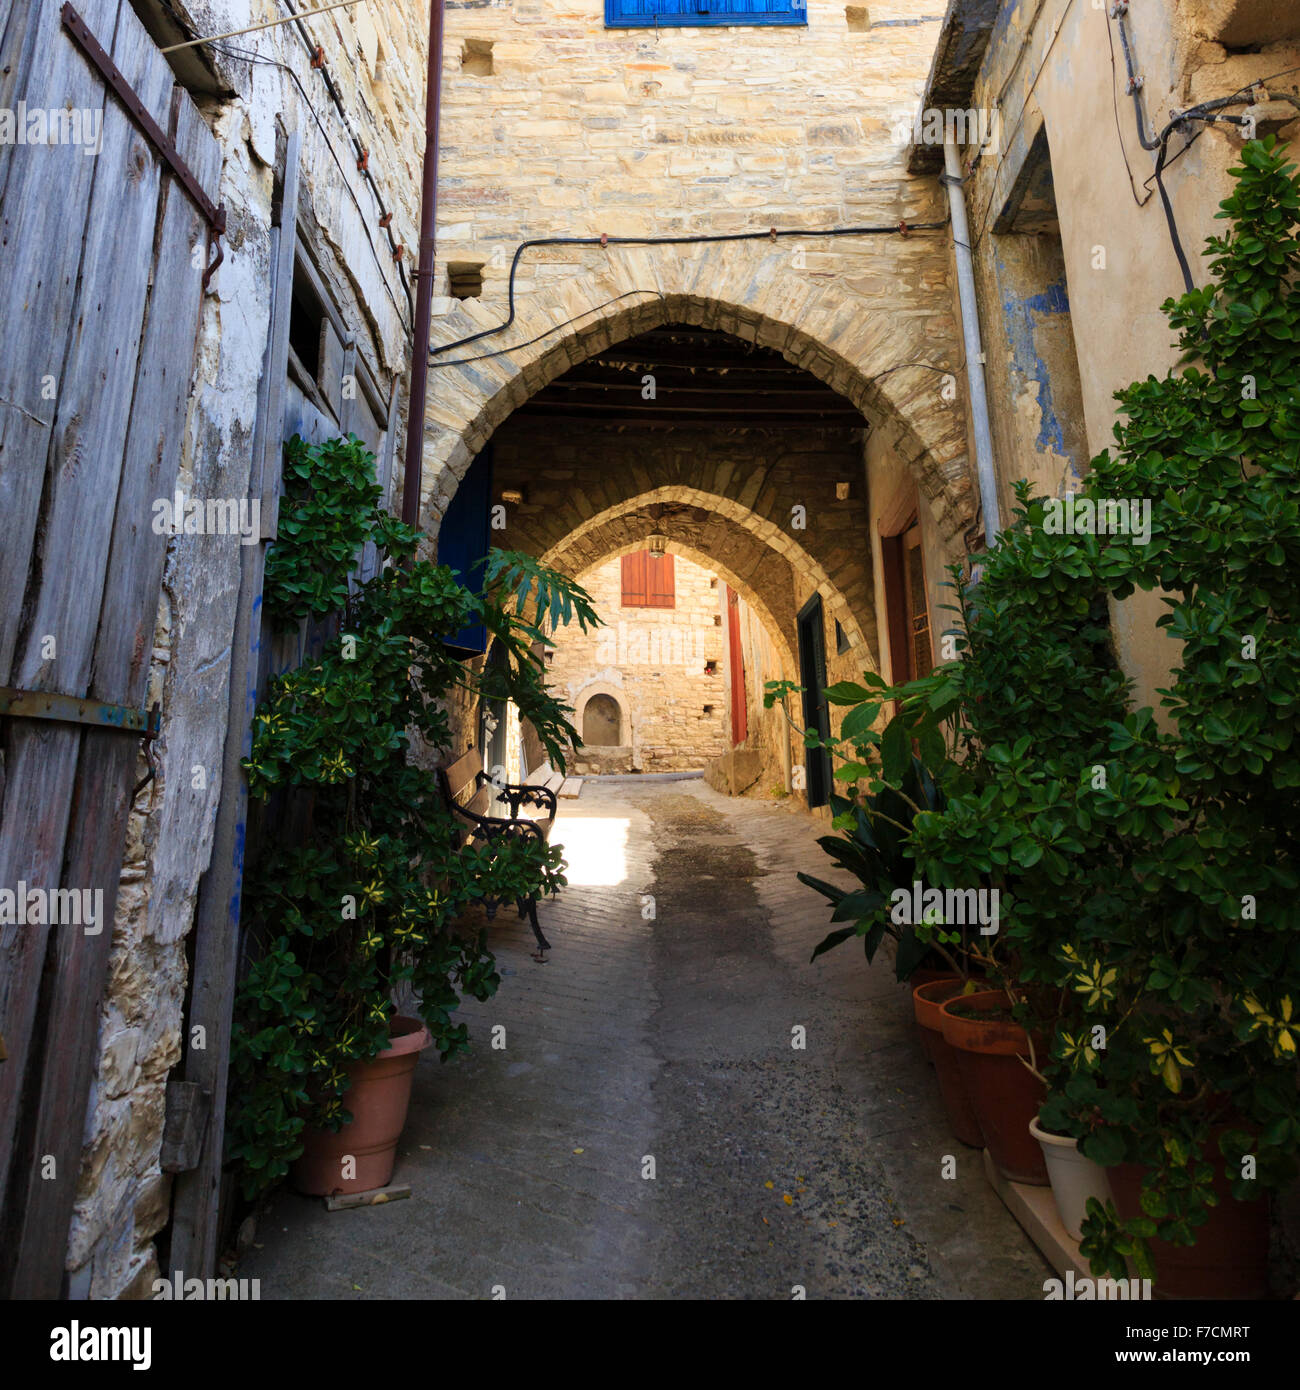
911, 652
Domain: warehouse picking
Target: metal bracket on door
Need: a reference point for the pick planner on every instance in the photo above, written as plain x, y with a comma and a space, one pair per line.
214, 215
71, 709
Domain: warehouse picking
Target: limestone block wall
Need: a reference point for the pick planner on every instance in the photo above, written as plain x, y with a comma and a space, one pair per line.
579, 131
376, 56
653, 663
725, 497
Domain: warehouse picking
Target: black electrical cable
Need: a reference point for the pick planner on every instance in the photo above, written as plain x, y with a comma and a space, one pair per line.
700, 238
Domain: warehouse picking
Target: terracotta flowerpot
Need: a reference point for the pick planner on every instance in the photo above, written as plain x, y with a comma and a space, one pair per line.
1230, 1257
378, 1098
1074, 1178
1004, 1094
926, 1001
914, 981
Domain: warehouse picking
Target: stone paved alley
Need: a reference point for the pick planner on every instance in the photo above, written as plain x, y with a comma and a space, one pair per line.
774, 1167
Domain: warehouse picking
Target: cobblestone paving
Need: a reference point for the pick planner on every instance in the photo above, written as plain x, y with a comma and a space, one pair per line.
776, 1168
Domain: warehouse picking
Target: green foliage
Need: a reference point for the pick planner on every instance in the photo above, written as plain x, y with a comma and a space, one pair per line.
1148, 859
369, 894
328, 512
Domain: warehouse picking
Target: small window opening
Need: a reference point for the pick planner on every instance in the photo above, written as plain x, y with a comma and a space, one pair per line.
708, 709
476, 57
465, 279
710, 668
305, 318
858, 18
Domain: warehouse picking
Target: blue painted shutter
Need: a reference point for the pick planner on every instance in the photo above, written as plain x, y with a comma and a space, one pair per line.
647, 14
463, 539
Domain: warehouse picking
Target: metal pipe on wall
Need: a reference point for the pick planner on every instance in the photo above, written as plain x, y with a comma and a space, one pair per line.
970, 328
414, 461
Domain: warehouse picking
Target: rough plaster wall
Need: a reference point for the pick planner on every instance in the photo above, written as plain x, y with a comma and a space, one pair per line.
1118, 259
769, 733
652, 661
123, 1197
891, 498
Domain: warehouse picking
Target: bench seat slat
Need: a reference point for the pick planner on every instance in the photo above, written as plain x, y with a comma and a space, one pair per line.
463, 773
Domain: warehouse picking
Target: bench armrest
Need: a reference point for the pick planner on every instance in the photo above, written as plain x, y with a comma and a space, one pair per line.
521, 794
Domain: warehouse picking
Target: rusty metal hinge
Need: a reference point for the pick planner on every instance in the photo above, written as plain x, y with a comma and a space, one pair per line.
214, 215
71, 709
74, 709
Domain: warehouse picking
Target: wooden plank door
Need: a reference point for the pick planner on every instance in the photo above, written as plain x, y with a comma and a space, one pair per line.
117, 320
812, 676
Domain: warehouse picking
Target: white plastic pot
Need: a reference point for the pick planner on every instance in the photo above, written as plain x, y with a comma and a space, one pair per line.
1074, 1178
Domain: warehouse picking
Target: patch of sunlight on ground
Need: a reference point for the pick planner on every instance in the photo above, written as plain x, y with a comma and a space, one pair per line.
595, 850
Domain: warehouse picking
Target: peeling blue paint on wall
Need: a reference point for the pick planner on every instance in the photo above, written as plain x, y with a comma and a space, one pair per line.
1020, 320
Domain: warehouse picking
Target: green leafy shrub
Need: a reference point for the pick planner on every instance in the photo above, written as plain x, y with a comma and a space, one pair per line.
364, 890
1148, 862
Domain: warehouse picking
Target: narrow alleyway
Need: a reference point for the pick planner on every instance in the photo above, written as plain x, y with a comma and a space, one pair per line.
671, 1039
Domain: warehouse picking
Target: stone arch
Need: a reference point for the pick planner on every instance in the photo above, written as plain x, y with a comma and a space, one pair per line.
887, 363
600, 533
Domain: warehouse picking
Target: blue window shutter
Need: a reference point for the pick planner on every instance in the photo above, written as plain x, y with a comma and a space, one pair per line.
463, 539
650, 14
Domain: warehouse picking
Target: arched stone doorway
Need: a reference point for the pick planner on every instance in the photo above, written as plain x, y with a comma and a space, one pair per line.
891, 367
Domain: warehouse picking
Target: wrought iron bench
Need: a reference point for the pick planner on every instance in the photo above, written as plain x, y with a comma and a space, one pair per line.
469, 793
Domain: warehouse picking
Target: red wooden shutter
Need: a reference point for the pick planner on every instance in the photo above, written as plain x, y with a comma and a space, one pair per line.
660, 592
635, 594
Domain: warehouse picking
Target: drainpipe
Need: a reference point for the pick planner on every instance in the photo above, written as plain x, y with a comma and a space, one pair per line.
414, 467
970, 328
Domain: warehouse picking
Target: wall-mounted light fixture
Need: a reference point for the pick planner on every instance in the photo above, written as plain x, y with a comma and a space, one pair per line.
516, 496
658, 545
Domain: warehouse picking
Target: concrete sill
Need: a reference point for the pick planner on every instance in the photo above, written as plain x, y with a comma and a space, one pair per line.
1035, 1209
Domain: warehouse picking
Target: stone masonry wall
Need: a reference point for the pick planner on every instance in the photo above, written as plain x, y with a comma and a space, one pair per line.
726, 495
652, 661
579, 131
376, 56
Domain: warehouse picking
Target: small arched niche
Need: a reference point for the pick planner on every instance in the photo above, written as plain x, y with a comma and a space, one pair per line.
602, 722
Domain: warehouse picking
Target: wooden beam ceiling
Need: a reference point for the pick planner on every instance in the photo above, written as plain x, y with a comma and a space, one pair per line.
702, 378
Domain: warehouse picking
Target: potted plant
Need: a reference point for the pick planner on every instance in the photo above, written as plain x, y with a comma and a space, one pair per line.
361, 891
1153, 928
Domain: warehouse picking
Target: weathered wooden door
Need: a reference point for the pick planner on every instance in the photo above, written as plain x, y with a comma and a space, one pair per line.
102, 255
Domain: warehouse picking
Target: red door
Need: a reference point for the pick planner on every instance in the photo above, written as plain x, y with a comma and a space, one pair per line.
736, 661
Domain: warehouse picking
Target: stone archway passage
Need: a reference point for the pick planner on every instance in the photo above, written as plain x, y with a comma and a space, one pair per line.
891, 365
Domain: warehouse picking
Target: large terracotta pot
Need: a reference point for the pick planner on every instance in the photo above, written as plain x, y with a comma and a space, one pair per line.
926, 1002
378, 1098
1004, 1094
1230, 1257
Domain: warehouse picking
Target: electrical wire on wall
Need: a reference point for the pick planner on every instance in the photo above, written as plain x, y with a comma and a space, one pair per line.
1207, 113
772, 234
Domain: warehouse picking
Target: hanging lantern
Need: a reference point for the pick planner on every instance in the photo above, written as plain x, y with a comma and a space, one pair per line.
658, 544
